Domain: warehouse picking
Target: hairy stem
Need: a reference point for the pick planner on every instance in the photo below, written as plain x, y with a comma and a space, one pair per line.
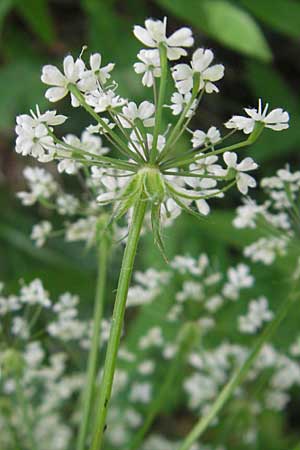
92, 368
239, 375
117, 322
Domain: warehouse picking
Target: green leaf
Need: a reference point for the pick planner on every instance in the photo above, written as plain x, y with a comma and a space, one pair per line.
282, 15
225, 22
37, 15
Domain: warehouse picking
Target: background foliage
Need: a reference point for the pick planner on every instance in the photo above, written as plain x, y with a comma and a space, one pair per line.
258, 42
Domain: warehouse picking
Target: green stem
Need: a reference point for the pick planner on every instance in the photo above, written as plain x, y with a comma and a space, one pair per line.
177, 129
161, 97
179, 162
117, 322
123, 148
186, 338
92, 367
28, 422
239, 375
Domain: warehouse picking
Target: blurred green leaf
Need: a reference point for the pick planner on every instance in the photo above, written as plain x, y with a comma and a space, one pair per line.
225, 22
282, 15
37, 15
268, 84
20, 88
108, 31
5, 7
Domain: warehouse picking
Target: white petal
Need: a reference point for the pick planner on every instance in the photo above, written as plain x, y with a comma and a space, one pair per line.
185, 86
182, 72
247, 164
278, 126
52, 76
230, 159
210, 87
277, 115
203, 207
69, 66
174, 53
146, 110
201, 59
181, 38
147, 79
143, 35
213, 73
106, 197
54, 94
244, 181
95, 61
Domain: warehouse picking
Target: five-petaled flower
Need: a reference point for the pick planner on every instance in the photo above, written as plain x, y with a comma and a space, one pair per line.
183, 73
277, 119
154, 34
53, 77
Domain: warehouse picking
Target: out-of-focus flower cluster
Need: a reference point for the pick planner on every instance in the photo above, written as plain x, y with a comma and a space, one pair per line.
205, 298
37, 385
277, 219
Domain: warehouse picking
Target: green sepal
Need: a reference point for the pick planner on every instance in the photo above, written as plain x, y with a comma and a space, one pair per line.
154, 186
156, 228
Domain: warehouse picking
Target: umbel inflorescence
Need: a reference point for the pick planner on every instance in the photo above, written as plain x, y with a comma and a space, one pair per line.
150, 163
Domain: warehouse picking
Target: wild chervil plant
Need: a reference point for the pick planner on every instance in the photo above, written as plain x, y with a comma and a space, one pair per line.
151, 169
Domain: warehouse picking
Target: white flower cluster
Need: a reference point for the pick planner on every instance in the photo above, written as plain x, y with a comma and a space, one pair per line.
276, 219
173, 182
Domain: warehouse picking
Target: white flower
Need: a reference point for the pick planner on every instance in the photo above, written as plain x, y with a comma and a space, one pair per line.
135, 142
52, 76
238, 278
40, 232
141, 392
82, 230
68, 166
265, 250
49, 117
20, 328
154, 34
35, 294
153, 338
102, 101
200, 138
132, 112
33, 139
149, 66
67, 204
41, 185
244, 181
258, 312
277, 119
97, 74
94, 129
201, 60
247, 214
179, 102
